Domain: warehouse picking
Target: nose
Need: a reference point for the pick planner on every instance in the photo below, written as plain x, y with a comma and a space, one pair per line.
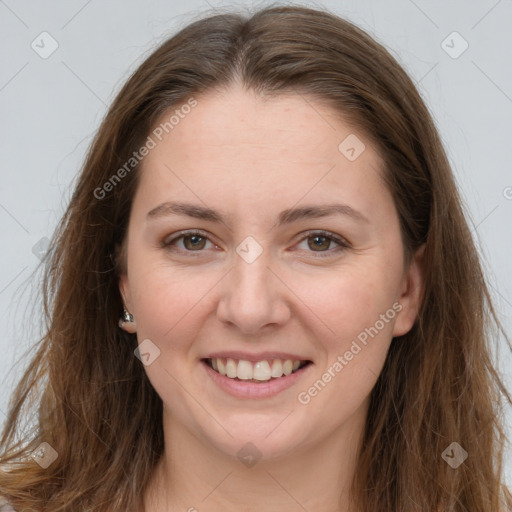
253, 296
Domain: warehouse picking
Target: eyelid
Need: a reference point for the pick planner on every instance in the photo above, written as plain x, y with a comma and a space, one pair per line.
342, 242
166, 244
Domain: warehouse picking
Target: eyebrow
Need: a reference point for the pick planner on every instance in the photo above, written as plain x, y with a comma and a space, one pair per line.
285, 217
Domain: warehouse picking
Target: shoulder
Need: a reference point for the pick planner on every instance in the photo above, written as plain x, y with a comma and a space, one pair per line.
5, 506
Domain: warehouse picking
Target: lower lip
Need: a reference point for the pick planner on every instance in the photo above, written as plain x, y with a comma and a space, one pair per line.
245, 389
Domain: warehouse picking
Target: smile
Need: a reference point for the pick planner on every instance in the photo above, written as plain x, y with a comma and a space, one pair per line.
260, 371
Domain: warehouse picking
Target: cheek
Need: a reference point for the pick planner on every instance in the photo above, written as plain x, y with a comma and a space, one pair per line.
168, 307
348, 301
360, 315
170, 303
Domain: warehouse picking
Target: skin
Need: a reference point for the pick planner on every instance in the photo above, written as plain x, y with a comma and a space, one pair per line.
251, 158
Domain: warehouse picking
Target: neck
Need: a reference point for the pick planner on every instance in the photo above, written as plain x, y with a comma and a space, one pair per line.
193, 475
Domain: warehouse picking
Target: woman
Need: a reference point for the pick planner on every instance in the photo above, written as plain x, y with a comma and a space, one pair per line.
305, 324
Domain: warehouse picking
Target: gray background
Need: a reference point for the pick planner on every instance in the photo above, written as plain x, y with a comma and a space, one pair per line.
50, 108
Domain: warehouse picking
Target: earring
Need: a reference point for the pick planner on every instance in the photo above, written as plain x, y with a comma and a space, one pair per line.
127, 322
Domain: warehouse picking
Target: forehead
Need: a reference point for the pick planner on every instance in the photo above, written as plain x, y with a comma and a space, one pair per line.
293, 123
240, 145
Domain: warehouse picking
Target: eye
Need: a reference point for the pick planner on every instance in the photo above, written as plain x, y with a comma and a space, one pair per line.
193, 241
320, 241
317, 242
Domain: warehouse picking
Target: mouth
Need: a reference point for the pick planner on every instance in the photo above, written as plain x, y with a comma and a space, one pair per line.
259, 372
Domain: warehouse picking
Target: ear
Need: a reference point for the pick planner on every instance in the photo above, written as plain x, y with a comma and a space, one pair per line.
411, 294
127, 325
124, 287
124, 290
122, 273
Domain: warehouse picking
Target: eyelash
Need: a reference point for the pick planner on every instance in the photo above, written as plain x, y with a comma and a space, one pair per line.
343, 244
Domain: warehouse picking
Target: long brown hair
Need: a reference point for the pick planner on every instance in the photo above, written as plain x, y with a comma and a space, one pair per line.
95, 405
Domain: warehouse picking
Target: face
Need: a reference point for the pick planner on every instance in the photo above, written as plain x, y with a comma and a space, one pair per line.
254, 267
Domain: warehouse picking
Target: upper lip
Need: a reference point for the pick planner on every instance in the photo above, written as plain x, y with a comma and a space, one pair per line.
261, 356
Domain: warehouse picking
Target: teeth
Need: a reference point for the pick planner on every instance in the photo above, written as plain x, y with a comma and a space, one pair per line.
262, 370
287, 367
231, 368
246, 370
277, 368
